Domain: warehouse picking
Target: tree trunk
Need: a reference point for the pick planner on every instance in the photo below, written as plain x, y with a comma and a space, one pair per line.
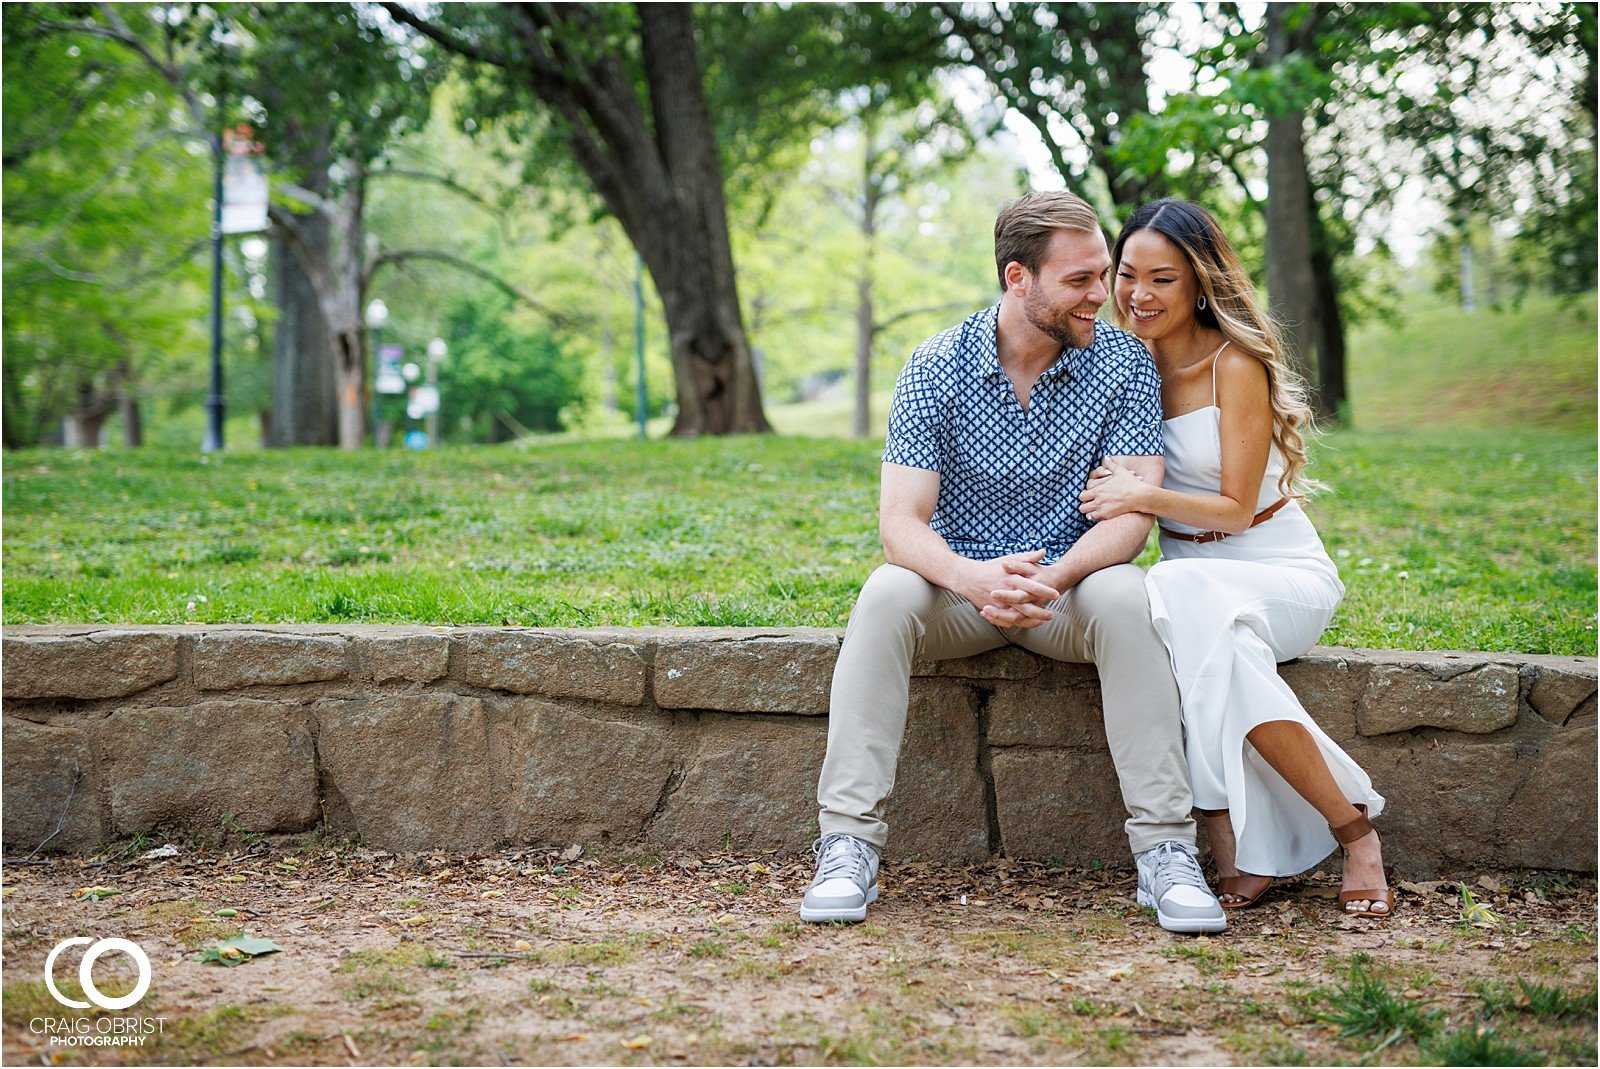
866, 327
83, 426
304, 394
132, 423
693, 267
1291, 279
661, 175
1331, 391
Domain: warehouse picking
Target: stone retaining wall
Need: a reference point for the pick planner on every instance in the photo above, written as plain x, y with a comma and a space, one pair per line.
416, 738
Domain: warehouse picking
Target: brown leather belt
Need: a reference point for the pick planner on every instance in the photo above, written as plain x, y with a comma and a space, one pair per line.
1216, 536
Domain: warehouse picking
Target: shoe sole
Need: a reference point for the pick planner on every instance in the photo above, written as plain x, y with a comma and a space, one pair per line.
857, 913
1181, 925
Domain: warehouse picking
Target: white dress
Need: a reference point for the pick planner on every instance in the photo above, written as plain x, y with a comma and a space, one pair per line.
1229, 612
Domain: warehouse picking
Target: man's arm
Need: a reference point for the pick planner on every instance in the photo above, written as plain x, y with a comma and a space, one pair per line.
1114, 541
908, 497
1109, 542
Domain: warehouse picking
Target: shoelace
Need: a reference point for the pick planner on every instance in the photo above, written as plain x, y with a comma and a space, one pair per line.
1176, 866
840, 857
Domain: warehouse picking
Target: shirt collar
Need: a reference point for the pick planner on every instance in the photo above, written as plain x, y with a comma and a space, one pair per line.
981, 328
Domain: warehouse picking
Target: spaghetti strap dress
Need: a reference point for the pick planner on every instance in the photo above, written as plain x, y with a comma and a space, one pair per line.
1229, 612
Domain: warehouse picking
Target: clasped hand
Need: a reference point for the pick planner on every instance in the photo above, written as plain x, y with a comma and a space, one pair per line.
1114, 490
1008, 592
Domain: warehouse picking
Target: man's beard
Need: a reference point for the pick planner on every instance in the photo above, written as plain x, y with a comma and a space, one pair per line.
1057, 323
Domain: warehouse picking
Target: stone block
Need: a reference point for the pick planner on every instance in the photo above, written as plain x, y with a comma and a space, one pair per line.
1061, 707
571, 778
1007, 662
1561, 691
1480, 700
1550, 821
1059, 805
227, 659
939, 808
765, 674
1457, 804
1330, 689
553, 664
102, 664
408, 658
751, 784
40, 763
408, 771
187, 767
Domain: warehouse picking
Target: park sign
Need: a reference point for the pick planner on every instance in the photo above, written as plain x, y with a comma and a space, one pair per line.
389, 378
244, 184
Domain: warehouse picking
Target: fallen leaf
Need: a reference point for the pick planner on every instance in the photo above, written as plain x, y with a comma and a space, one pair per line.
96, 893
636, 1043
227, 913
576, 1037
420, 918
238, 950
573, 852
523, 944
1426, 887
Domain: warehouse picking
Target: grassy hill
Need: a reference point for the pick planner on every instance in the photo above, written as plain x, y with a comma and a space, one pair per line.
1530, 366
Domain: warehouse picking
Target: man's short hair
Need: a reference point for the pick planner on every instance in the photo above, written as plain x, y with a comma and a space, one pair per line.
1022, 232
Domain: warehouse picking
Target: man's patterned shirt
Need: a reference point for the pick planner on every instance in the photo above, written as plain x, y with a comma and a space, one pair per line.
1009, 478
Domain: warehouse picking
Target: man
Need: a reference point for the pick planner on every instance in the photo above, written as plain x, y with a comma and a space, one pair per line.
994, 429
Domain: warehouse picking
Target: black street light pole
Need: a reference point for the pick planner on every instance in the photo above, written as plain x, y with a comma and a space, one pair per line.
641, 406
215, 403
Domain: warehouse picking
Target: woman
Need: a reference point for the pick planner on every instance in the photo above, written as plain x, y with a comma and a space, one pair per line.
1243, 582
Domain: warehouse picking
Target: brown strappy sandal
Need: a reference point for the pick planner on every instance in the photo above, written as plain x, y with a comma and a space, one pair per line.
1357, 829
1246, 887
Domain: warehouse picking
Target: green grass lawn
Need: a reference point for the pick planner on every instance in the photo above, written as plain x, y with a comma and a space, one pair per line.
1532, 365
1446, 539
1449, 533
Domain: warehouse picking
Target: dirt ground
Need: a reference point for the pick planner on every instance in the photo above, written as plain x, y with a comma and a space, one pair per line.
553, 958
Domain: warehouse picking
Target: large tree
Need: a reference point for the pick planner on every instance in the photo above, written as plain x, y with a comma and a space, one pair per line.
623, 88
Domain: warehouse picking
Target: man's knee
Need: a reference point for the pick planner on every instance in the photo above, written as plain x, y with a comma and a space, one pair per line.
895, 591
1113, 592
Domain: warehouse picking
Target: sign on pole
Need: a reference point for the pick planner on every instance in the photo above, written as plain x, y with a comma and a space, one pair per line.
244, 184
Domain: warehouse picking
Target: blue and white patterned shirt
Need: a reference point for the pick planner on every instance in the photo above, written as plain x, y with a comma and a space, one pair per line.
1009, 478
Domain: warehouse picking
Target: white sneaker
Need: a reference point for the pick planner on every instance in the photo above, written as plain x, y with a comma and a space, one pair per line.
846, 881
1170, 882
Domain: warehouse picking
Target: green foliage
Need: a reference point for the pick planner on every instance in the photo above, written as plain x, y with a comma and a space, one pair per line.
500, 379
105, 213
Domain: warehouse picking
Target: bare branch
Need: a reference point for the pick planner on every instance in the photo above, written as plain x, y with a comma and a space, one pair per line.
398, 256
442, 180
305, 196
949, 306
450, 42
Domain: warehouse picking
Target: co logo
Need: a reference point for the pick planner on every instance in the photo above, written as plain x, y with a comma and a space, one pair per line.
86, 970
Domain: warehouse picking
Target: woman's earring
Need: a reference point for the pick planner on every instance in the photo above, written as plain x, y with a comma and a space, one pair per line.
1201, 305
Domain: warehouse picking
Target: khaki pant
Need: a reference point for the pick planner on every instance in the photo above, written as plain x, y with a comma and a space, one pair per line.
1104, 620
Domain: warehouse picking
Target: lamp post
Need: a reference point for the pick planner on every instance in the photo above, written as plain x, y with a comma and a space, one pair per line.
377, 317
437, 351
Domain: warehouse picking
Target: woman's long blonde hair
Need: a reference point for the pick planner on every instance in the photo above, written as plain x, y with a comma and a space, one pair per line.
1231, 307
